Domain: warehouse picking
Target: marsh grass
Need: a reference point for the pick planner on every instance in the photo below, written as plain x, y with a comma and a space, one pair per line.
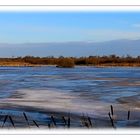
111, 120
4, 120
69, 62
53, 121
69, 121
86, 121
26, 118
12, 122
35, 123
64, 120
90, 122
112, 112
128, 115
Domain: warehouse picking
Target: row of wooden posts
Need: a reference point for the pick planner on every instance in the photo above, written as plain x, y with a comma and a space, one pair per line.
12, 122
85, 120
111, 114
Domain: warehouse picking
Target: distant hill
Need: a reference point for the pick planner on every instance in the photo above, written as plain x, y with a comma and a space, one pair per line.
118, 47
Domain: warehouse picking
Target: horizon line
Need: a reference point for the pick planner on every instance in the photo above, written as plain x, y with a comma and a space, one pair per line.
28, 42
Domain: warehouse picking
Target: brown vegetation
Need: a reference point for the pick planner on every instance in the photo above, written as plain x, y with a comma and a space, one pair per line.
111, 60
65, 63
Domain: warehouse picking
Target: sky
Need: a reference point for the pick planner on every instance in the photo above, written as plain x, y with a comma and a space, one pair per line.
38, 27
27, 33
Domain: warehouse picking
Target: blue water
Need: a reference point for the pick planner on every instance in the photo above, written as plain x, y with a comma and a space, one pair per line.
88, 81
86, 85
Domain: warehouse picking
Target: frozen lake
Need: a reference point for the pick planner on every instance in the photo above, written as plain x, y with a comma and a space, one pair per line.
78, 90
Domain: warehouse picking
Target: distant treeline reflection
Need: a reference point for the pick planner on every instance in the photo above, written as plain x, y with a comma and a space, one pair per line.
111, 60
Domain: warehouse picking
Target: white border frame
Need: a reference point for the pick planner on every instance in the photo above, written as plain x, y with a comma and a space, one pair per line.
40, 7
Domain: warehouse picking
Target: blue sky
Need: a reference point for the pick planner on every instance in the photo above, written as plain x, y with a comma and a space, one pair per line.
27, 27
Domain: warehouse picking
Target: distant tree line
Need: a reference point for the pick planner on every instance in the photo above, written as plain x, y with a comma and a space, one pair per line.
65, 61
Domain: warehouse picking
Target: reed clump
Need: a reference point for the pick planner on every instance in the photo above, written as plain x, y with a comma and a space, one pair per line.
66, 63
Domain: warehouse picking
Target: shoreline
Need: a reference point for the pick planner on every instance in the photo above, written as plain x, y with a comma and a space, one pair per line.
96, 66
